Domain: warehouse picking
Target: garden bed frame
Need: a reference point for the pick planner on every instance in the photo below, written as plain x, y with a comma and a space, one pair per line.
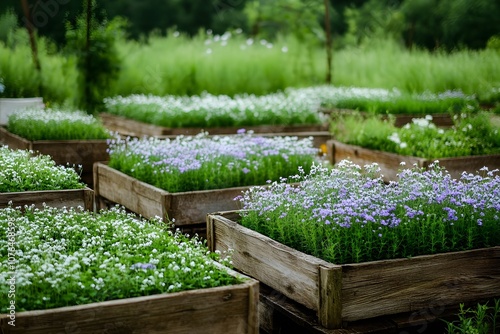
226, 309
442, 120
74, 152
188, 208
55, 198
340, 294
390, 163
130, 127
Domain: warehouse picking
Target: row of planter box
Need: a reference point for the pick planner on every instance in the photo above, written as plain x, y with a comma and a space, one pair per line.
337, 294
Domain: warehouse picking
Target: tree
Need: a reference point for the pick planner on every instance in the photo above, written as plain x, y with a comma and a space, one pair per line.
98, 62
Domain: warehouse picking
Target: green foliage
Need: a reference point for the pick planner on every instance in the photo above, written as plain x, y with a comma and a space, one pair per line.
347, 214
374, 20
300, 18
22, 171
98, 60
8, 23
471, 135
484, 319
494, 43
56, 125
21, 79
67, 257
450, 23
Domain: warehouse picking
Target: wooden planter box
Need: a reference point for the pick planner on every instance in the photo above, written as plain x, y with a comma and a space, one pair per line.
390, 163
77, 152
188, 208
441, 120
340, 294
10, 106
228, 309
55, 198
129, 127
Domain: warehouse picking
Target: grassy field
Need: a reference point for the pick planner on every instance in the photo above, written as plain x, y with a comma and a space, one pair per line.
234, 64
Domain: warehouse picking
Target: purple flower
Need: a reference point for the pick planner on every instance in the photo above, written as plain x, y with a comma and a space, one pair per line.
245, 170
241, 131
144, 266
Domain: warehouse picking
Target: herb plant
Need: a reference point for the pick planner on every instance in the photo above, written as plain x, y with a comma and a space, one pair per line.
36, 124
484, 319
349, 215
68, 257
471, 135
22, 171
202, 162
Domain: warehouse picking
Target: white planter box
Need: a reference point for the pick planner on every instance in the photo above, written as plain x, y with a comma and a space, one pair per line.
10, 106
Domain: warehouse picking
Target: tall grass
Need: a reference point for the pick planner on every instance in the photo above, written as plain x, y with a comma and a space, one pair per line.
384, 64
232, 64
227, 64
21, 79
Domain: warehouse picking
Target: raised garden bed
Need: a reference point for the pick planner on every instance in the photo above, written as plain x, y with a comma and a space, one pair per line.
130, 127
391, 163
442, 120
185, 208
56, 198
94, 283
74, 152
340, 294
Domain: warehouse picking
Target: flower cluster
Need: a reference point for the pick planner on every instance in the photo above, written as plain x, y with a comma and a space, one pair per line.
23, 171
71, 257
348, 214
48, 124
202, 162
216, 110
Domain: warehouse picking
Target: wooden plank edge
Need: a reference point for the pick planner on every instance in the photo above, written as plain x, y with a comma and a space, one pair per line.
330, 296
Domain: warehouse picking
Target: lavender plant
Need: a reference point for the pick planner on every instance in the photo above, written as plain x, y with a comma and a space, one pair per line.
471, 135
48, 124
68, 257
22, 171
202, 162
348, 214
216, 111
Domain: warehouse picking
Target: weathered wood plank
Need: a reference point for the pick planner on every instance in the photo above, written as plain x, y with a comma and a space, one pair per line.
214, 310
54, 198
290, 272
129, 127
390, 163
365, 290
136, 196
73, 152
187, 208
405, 285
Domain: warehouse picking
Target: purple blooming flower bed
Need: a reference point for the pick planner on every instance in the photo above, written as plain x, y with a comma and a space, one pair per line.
202, 162
349, 215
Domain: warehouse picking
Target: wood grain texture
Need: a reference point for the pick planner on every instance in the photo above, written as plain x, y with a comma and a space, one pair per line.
63, 152
405, 285
139, 197
228, 309
187, 208
365, 290
390, 163
286, 270
54, 198
129, 127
